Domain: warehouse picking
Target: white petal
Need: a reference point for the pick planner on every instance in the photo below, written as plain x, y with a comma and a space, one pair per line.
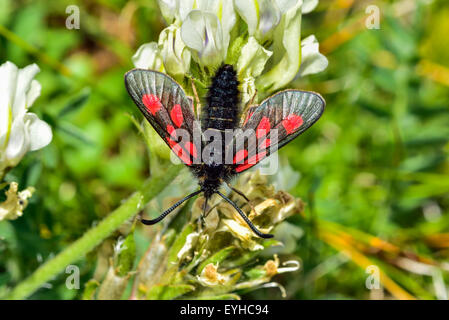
24, 79
192, 30
185, 7
250, 65
253, 58
285, 5
269, 18
248, 10
309, 5
287, 52
169, 8
312, 60
33, 93
148, 57
8, 82
39, 132
201, 32
174, 52
224, 10
261, 16
18, 143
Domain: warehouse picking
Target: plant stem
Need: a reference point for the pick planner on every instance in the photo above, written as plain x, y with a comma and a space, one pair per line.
94, 236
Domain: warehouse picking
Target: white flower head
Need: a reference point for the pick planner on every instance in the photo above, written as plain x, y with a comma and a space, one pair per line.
175, 54
169, 8
148, 56
20, 131
202, 33
250, 65
224, 10
312, 61
261, 16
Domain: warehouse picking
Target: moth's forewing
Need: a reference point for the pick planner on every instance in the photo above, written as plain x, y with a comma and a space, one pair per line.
167, 108
275, 122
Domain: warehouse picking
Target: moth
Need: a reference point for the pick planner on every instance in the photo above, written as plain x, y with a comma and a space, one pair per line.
219, 140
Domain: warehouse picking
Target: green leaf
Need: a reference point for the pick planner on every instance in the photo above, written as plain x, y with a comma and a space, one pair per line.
179, 243
75, 104
216, 258
228, 296
168, 292
126, 256
90, 289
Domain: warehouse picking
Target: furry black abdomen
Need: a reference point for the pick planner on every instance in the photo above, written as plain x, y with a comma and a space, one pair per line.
222, 102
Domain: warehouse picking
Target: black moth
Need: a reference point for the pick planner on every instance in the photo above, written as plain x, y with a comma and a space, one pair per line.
275, 122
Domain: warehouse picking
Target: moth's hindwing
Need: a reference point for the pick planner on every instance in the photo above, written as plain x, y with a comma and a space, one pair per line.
166, 107
290, 112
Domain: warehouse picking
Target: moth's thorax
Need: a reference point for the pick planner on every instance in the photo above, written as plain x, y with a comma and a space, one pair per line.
222, 102
211, 177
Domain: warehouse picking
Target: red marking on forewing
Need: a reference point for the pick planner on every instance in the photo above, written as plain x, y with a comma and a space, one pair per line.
240, 155
183, 155
251, 161
152, 103
179, 151
171, 130
263, 127
265, 144
191, 148
291, 123
176, 115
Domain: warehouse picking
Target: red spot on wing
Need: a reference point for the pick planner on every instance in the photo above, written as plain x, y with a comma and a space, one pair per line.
171, 142
179, 151
176, 115
152, 103
263, 127
191, 148
291, 123
240, 155
171, 130
265, 144
251, 162
182, 154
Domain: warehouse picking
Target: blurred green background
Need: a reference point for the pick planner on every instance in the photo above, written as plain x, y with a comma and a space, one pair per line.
374, 171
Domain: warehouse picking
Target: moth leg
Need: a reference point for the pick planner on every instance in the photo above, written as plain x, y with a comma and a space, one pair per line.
240, 193
207, 211
210, 210
249, 104
251, 101
203, 215
197, 99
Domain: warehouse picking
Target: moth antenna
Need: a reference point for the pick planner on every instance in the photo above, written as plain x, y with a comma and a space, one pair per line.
173, 207
248, 222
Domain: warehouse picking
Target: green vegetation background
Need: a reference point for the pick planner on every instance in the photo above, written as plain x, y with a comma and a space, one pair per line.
376, 166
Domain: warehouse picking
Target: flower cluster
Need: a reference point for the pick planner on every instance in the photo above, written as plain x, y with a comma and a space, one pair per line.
219, 259
261, 38
20, 131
